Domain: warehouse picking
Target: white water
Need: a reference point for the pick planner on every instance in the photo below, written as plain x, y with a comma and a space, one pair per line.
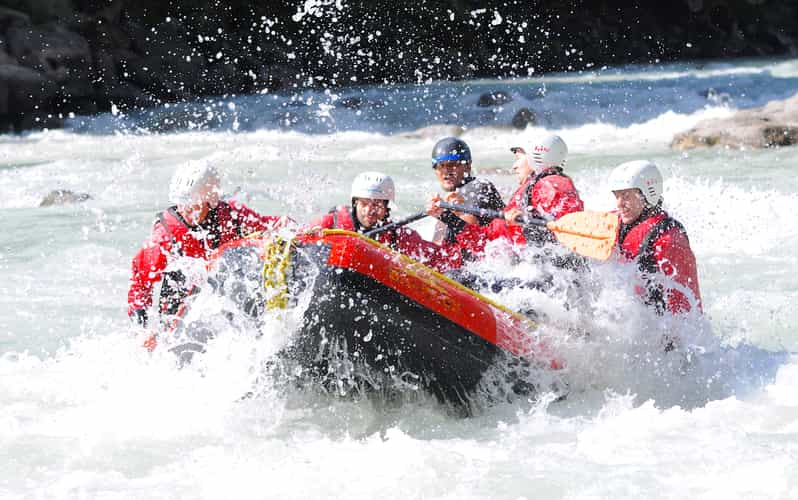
85, 412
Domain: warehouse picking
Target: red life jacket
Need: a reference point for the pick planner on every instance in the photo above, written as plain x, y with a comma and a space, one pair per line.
548, 194
659, 245
342, 217
172, 237
402, 239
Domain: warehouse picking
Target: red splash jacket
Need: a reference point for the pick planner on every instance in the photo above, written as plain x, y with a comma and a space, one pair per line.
659, 244
404, 240
548, 194
172, 237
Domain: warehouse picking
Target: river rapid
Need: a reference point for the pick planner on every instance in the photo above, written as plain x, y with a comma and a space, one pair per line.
85, 412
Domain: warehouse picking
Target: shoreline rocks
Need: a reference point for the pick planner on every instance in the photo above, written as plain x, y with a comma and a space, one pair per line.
772, 125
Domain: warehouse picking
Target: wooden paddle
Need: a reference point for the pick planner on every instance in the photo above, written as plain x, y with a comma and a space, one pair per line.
393, 225
592, 234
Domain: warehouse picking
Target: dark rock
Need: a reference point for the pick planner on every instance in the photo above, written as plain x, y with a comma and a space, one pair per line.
716, 97
6, 59
63, 197
61, 54
124, 95
780, 136
495, 98
10, 17
43, 11
24, 94
524, 117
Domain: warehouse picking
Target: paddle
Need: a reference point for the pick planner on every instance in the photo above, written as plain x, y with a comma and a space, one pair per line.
592, 234
407, 220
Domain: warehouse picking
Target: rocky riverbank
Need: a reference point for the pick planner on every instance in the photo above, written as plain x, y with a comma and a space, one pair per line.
773, 125
62, 57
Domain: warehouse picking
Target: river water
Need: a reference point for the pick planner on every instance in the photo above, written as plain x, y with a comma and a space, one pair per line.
86, 412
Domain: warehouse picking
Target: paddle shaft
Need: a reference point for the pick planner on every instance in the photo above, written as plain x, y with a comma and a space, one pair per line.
393, 225
486, 212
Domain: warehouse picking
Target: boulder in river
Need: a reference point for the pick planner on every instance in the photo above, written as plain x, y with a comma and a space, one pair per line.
63, 197
772, 125
494, 98
524, 117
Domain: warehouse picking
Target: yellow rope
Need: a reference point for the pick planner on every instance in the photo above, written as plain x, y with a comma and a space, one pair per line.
276, 258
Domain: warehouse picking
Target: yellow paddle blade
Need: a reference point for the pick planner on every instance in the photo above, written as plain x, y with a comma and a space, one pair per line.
588, 233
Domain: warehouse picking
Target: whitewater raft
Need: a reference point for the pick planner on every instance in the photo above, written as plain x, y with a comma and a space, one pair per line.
378, 313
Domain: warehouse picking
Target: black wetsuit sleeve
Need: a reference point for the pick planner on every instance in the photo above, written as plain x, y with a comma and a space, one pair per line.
490, 199
453, 222
481, 193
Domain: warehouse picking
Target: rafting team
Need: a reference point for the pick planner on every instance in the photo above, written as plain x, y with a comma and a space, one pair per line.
200, 221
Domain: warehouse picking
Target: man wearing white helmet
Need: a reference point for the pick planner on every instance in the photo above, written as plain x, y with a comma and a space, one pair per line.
544, 192
371, 195
194, 226
653, 239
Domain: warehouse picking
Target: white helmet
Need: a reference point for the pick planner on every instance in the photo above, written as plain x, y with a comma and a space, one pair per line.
189, 178
549, 151
640, 174
373, 185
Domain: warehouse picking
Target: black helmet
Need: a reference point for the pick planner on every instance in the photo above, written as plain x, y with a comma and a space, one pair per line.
452, 149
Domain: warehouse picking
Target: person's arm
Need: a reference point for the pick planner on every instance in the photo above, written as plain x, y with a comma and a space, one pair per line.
326, 221
675, 259
455, 222
556, 196
252, 222
147, 268
440, 257
489, 198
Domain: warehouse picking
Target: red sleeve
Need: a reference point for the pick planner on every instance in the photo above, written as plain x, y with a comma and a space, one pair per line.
147, 266
676, 260
474, 237
440, 257
324, 222
253, 222
556, 196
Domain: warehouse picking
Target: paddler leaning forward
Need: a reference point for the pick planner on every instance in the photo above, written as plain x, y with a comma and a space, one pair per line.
195, 225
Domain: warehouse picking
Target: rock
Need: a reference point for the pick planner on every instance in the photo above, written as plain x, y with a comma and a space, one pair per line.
524, 117
716, 97
5, 58
494, 98
63, 197
773, 125
47, 48
10, 17
43, 11
780, 135
24, 93
125, 95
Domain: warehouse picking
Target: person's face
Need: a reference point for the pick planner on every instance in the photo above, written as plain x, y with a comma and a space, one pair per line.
630, 204
450, 173
370, 212
203, 200
208, 194
522, 167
